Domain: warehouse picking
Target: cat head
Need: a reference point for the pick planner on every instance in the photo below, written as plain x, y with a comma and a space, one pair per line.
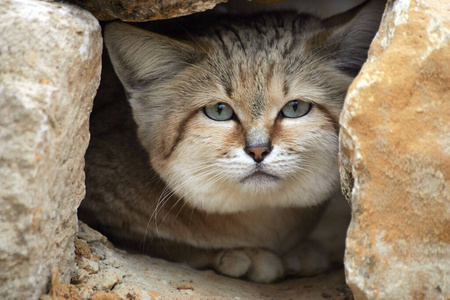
244, 114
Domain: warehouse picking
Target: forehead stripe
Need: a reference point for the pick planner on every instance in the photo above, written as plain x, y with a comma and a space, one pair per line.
225, 48
238, 37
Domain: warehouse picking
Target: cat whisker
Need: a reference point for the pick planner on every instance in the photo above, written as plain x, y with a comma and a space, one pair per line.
165, 195
180, 186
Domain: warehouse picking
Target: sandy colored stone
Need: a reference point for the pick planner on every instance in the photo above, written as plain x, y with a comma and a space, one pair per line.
49, 73
131, 276
82, 249
395, 158
58, 290
144, 10
106, 296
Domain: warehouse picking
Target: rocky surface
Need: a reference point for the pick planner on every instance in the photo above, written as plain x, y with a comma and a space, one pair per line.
50, 68
395, 163
104, 271
148, 10
395, 158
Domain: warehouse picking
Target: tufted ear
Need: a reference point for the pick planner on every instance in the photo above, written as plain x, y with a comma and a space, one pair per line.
348, 35
142, 58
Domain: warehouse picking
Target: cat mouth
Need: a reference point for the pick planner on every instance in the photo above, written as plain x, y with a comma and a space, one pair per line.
259, 177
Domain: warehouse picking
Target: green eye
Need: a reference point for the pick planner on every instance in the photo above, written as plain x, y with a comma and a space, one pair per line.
296, 109
219, 111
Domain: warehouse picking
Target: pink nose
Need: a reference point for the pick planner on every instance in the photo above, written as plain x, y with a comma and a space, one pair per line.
258, 153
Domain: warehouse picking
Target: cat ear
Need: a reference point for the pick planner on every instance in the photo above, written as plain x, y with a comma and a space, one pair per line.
349, 35
142, 58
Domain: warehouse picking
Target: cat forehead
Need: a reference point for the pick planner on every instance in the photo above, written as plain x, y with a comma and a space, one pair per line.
253, 86
255, 62
249, 86
259, 35
254, 53
252, 81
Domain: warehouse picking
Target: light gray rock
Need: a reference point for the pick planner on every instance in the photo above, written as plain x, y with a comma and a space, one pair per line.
50, 61
395, 158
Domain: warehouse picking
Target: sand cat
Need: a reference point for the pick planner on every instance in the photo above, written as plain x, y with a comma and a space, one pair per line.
231, 155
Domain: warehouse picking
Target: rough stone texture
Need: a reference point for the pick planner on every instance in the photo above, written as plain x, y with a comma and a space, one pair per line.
144, 10
395, 158
103, 271
49, 72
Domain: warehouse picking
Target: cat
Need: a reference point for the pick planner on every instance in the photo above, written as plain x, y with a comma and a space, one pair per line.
230, 156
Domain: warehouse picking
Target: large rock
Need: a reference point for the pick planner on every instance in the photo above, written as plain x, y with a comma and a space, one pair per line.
395, 158
144, 10
49, 72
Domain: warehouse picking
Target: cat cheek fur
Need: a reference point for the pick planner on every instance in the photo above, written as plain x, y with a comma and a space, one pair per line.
207, 164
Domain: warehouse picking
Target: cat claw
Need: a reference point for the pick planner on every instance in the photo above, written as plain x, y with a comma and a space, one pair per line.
257, 265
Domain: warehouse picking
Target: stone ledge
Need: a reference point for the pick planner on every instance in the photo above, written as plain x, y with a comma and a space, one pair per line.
104, 270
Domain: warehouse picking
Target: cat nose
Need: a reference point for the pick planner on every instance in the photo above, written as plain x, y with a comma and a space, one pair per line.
258, 153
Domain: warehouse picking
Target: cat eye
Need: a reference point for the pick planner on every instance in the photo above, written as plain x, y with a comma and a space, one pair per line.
296, 109
219, 111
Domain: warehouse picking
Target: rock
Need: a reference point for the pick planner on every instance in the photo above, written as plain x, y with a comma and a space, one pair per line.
122, 275
50, 68
139, 11
395, 158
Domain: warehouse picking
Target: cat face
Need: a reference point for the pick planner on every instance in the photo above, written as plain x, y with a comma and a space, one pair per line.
246, 116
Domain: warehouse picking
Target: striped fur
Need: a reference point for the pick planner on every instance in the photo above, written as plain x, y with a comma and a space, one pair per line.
255, 64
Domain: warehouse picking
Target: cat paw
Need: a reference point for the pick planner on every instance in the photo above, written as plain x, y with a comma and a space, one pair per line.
256, 265
306, 259
233, 263
266, 266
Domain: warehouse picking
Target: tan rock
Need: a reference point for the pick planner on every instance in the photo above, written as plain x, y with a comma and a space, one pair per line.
395, 158
49, 72
147, 10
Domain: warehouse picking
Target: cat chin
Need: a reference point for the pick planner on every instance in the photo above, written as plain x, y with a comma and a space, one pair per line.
260, 188
223, 206
260, 179
261, 191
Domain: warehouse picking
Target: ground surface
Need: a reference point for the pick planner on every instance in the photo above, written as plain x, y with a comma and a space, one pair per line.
104, 272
